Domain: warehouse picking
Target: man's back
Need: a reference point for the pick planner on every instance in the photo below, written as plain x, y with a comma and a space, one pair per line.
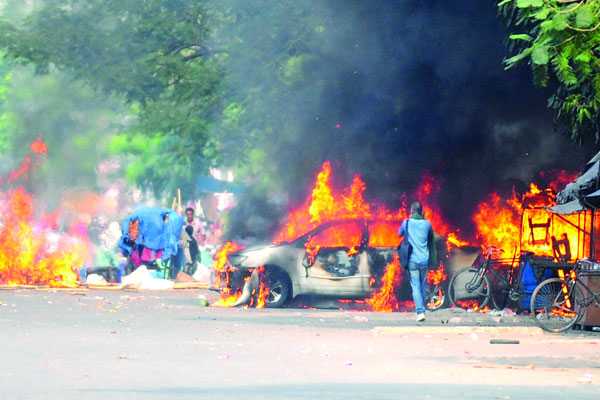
419, 235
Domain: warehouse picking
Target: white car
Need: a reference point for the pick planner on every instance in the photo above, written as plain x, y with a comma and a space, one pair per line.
350, 271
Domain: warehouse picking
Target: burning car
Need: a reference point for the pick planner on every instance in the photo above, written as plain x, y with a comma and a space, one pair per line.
339, 259
337, 244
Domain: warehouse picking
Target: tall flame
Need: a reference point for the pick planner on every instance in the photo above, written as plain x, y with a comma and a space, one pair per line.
31, 254
525, 223
222, 271
325, 203
385, 298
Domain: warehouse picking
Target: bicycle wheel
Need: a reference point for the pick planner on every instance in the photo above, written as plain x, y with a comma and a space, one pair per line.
466, 294
552, 308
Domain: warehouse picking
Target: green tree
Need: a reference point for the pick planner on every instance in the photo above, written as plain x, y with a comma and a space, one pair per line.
74, 122
152, 53
560, 39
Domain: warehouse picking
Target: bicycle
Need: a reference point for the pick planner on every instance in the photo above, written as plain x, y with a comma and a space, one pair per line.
472, 288
559, 303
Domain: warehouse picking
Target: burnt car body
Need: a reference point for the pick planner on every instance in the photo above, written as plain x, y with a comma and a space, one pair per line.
317, 263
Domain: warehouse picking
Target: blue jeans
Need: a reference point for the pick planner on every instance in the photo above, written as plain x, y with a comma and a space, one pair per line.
418, 282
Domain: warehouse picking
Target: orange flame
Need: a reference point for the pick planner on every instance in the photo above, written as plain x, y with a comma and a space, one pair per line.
325, 203
263, 290
227, 298
472, 305
437, 276
222, 270
498, 222
38, 147
384, 299
221, 256
524, 223
30, 256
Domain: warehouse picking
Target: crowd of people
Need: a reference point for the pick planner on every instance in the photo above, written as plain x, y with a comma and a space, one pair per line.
193, 257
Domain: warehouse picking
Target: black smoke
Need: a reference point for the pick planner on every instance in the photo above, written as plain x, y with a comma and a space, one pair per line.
398, 88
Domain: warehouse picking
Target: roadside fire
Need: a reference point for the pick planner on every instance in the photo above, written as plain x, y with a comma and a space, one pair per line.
260, 294
472, 305
523, 223
222, 269
221, 256
30, 252
254, 290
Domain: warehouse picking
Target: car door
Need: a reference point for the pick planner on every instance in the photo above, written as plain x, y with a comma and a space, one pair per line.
382, 243
335, 260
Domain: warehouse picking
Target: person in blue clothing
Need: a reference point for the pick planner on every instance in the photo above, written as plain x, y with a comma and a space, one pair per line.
421, 238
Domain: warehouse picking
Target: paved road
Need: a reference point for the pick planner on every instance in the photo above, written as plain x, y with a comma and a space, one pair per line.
149, 345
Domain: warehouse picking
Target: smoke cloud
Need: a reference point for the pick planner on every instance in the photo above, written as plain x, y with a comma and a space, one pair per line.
391, 90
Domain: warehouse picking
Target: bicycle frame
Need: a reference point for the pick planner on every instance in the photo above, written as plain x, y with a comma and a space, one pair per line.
483, 264
482, 268
588, 298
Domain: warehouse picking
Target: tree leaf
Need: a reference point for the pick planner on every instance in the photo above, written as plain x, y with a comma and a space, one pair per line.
510, 62
559, 22
523, 3
539, 55
529, 3
521, 36
585, 16
542, 13
584, 57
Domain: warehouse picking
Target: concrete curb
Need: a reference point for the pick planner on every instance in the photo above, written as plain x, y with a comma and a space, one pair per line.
402, 330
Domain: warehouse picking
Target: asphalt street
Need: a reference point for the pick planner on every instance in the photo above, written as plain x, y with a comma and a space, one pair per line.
165, 345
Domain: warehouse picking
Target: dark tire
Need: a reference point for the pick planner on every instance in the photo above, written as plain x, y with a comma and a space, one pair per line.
554, 311
436, 297
280, 288
477, 297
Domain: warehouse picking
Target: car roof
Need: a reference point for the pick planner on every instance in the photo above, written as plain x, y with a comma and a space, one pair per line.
366, 221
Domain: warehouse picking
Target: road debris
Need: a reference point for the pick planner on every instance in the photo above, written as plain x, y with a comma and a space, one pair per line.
504, 341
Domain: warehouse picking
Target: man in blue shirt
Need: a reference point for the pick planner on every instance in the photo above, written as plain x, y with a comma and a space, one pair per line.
420, 237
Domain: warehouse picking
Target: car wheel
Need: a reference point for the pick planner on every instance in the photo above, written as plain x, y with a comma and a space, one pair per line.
279, 289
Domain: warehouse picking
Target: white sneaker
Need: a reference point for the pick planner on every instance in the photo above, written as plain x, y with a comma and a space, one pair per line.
420, 317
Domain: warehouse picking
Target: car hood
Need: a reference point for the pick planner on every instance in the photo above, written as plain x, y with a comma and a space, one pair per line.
254, 256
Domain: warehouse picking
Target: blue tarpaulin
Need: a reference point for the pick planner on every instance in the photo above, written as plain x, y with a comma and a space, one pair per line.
155, 232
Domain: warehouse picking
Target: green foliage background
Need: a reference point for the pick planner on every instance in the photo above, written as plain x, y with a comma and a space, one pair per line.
205, 83
175, 87
560, 39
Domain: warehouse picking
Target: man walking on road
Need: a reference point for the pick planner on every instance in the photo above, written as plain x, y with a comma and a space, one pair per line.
420, 236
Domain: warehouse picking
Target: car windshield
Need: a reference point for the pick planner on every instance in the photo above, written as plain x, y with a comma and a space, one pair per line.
384, 234
345, 234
